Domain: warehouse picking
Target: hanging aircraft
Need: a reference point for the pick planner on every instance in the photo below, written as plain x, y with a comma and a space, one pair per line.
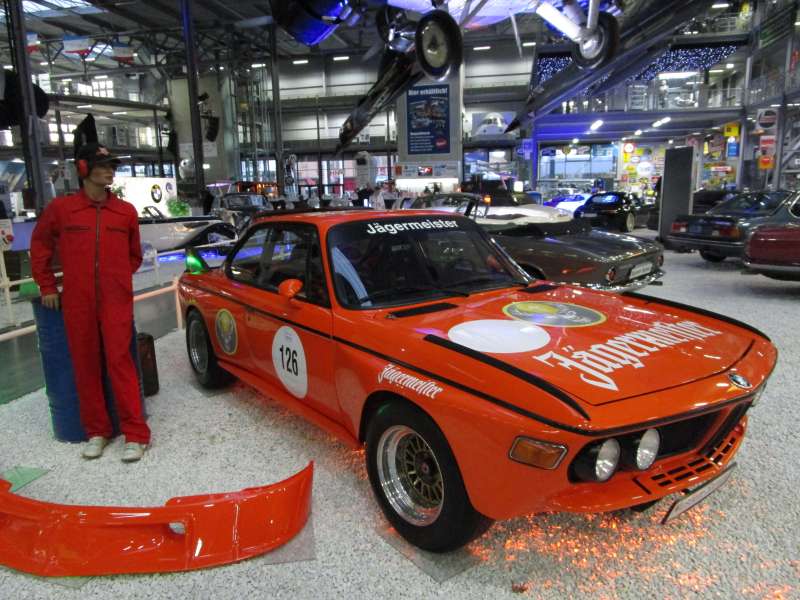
423, 37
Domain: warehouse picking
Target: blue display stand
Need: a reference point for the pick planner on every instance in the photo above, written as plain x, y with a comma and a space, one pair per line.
60, 380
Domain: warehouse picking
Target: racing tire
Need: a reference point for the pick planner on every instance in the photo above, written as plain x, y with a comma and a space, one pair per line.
416, 480
711, 256
439, 44
608, 29
628, 223
201, 354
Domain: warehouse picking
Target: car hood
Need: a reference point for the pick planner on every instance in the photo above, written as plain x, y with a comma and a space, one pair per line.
529, 213
602, 245
595, 347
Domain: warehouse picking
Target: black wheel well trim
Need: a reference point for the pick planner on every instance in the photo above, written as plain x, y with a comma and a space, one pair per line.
700, 311
374, 401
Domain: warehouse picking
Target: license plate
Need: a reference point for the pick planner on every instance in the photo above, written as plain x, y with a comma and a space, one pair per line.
641, 269
590, 215
695, 228
697, 495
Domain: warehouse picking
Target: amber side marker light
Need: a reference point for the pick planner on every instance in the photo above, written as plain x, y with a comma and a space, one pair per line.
537, 453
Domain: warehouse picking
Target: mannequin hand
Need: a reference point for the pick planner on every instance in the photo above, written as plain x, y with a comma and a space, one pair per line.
51, 301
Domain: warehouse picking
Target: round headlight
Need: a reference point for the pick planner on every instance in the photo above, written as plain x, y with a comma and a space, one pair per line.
607, 460
647, 449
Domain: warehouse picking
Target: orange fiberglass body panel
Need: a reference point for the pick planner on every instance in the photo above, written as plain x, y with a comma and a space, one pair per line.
188, 532
551, 362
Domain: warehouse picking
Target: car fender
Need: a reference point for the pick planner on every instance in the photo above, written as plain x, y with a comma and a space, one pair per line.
187, 533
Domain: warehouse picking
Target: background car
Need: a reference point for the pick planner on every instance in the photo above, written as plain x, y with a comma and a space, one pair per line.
549, 247
723, 230
618, 210
238, 208
164, 233
774, 251
570, 202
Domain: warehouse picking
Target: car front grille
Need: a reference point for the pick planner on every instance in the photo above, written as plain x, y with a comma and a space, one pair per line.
683, 476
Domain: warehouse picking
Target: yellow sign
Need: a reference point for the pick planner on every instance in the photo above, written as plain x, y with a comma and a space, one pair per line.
765, 163
731, 129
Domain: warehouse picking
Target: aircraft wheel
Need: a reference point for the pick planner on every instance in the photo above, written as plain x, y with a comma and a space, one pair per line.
595, 53
440, 47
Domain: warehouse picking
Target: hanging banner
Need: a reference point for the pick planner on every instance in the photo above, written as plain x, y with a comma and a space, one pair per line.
428, 119
32, 42
731, 129
122, 53
766, 151
77, 44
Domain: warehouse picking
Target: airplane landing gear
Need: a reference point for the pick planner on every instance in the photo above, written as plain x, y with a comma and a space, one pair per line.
597, 50
439, 44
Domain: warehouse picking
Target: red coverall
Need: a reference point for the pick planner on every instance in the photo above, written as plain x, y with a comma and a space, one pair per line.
98, 245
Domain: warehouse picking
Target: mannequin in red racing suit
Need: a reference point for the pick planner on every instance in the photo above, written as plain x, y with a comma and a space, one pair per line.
96, 236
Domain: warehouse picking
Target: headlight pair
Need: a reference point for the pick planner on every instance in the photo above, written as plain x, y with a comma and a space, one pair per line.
599, 461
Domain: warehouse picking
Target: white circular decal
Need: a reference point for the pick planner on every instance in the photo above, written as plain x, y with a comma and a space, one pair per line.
289, 361
501, 336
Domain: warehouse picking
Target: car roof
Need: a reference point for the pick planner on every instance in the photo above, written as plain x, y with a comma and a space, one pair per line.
328, 218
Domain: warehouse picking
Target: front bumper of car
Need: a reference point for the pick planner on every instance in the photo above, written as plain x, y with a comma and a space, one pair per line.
723, 248
188, 532
627, 286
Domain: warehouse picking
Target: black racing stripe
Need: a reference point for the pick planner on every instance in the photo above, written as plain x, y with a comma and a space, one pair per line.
511, 370
544, 420
421, 310
258, 310
699, 311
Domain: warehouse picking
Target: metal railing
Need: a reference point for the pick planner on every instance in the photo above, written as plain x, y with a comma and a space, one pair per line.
765, 88
6, 284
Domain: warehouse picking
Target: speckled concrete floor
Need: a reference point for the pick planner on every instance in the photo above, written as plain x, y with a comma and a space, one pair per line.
742, 543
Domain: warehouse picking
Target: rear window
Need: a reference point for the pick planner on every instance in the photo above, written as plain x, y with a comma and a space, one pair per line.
754, 203
605, 198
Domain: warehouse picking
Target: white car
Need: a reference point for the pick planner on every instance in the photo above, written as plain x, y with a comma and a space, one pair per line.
164, 233
499, 207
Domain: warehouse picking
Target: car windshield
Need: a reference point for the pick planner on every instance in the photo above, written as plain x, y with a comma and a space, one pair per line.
605, 198
397, 261
755, 203
245, 201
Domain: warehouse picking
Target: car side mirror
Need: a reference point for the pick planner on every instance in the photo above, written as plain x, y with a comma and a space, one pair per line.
289, 288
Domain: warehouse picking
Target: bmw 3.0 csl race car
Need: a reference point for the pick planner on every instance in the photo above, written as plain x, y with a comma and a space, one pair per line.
480, 393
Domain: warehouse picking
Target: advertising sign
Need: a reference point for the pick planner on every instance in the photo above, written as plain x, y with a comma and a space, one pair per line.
766, 151
767, 119
428, 119
147, 191
733, 147
731, 129
6, 235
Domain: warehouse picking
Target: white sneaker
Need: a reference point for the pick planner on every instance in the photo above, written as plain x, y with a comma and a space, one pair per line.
133, 451
94, 447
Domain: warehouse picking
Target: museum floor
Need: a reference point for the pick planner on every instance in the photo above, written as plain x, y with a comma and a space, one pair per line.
741, 543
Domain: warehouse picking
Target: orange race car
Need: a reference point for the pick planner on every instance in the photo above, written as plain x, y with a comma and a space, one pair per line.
480, 393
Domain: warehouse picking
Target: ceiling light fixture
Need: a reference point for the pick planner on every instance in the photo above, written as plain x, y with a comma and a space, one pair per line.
596, 125
300, 61
120, 112
720, 5
101, 76
44, 63
716, 70
575, 140
528, 44
481, 48
729, 65
340, 58
259, 65
84, 106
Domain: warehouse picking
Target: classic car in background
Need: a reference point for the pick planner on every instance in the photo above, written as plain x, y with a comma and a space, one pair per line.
238, 208
549, 246
723, 230
570, 202
164, 233
478, 393
618, 210
774, 251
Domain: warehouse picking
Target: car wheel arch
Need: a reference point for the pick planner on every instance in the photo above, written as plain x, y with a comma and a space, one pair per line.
374, 402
